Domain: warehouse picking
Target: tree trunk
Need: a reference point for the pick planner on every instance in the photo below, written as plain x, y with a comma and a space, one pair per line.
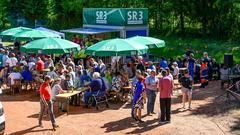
204, 25
182, 22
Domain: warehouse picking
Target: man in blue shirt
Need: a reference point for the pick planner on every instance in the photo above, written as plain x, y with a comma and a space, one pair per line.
163, 63
95, 86
191, 65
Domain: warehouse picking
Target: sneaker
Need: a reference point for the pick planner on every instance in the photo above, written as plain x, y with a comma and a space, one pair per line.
54, 127
168, 121
162, 122
136, 119
189, 108
153, 113
149, 114
141, 121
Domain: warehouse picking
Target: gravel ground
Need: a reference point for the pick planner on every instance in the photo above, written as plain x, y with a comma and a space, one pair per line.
209, 116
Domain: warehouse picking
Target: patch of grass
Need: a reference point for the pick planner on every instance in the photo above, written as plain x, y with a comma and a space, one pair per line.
177, 47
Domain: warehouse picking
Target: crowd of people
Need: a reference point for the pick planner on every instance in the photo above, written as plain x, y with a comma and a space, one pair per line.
145, 78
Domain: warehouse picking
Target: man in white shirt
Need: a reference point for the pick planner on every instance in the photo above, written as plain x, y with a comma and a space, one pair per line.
12, 61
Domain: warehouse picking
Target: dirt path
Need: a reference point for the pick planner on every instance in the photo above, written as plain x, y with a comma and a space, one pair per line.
208, 117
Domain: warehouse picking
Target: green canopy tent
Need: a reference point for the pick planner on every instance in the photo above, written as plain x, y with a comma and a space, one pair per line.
148, 41
50, 46
33, 35
9, 33
116, 47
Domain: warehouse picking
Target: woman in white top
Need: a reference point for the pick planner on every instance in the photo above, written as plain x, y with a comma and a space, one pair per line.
57, 89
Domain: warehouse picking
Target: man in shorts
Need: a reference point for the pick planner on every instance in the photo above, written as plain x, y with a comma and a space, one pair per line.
186, 81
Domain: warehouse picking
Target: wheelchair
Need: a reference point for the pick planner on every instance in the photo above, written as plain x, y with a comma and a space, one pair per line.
98, 98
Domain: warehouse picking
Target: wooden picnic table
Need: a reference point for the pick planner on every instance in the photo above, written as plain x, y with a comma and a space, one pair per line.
127, 88
65, 97
46, 70
234, 76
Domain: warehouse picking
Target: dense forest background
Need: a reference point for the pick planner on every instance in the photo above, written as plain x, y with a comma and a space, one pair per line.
217, 19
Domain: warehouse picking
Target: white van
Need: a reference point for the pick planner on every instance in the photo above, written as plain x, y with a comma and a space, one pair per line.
2, 118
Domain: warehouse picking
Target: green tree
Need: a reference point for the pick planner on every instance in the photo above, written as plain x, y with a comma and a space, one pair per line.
3, 14
34, 10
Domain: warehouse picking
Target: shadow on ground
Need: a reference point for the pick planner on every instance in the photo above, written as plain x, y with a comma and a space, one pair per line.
76, 110
24, 96
29, 130
129, 123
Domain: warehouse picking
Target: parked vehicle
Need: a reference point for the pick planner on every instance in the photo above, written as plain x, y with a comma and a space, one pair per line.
2, 118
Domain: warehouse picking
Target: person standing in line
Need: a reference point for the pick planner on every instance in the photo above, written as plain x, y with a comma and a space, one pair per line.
166, 87
46, 101
186, 81
151, 87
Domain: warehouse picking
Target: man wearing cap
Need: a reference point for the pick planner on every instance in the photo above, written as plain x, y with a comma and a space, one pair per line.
151, 86
45, 101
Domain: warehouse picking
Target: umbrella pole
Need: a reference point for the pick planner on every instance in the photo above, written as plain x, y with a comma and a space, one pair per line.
116, 63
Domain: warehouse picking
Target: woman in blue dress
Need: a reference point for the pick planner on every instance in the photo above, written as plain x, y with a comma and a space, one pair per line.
138, 100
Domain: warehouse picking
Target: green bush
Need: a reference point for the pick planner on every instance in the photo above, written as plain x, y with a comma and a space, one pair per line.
178, 46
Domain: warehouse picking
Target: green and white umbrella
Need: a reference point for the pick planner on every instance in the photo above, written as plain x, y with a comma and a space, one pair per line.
33, 35
149, 41
9, 33
116, 47
50, 46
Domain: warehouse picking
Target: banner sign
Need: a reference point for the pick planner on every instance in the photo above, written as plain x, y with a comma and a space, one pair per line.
115, 16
